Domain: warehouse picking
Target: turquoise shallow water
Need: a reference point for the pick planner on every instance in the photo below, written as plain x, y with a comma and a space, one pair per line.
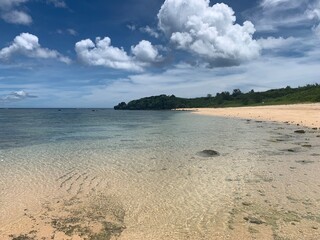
146, 161
23, 127
114, 131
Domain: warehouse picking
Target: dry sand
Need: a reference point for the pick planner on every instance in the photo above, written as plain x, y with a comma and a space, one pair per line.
307, 115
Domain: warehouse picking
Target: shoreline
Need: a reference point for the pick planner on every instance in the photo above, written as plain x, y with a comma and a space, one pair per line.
307, 115
155, 183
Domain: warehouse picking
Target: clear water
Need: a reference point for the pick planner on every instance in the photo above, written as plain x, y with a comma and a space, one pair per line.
23, 127
146, 160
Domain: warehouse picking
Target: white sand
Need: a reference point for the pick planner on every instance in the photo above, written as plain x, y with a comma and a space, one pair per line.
303, 114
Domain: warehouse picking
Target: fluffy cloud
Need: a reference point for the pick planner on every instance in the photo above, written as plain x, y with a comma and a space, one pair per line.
9, 14
16, 96
17, 17
28, 45
144, 52
208, 32
102, 53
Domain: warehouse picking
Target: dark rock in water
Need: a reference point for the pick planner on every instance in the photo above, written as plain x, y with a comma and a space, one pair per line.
292, 150
304, 161
246, 204
253, 220
306, 145
300, 131
208, 153
314, 128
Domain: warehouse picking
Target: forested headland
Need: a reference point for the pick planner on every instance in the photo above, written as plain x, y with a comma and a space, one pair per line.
306, 94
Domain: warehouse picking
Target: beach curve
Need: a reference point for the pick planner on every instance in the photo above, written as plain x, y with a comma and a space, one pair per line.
307, 115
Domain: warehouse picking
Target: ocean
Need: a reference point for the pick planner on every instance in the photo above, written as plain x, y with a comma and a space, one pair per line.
105, 174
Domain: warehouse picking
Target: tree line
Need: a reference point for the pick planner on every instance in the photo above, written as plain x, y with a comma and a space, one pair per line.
236, 98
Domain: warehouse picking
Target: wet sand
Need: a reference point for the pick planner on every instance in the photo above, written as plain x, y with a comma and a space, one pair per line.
303, 114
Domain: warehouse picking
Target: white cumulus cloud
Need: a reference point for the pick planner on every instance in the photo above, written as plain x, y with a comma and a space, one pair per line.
28, 45
102, 53
145, 52
208, 32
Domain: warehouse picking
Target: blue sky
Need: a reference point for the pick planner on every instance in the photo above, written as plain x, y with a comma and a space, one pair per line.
63, 53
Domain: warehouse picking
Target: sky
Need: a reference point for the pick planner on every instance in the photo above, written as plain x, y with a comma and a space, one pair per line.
97, 53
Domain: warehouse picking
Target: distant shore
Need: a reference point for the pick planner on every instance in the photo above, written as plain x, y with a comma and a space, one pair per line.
307, 115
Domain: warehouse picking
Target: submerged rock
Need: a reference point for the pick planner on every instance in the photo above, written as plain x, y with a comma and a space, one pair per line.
253, 220
304, 161
292, 150
300, 131
208, 153
306, 145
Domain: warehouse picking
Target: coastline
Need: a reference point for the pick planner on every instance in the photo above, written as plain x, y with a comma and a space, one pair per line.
307, 115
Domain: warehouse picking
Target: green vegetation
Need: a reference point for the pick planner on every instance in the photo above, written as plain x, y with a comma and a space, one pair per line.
288, 95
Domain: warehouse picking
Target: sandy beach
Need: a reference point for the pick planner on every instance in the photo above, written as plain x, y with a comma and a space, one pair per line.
307, 115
